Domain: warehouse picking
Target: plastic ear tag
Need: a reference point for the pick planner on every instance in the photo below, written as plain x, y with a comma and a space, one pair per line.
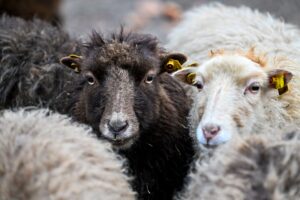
190, 78
75, 67
74, 56
193, 64
173, 65
280, 85
278, 81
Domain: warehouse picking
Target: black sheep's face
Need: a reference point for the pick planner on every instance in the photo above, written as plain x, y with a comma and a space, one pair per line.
118, 103
120, 96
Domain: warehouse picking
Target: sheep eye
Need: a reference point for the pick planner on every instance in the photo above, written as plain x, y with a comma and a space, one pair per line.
199, 85
90, 79
149, 79
254, 88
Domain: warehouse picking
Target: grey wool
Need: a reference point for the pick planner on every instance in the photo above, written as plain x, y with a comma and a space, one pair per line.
260, 167
43, 155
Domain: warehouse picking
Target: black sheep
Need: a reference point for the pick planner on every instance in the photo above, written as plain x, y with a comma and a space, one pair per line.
129, 99
30, 72
122, 91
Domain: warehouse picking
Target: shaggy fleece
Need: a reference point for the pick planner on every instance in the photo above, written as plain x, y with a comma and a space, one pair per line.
262, 167
43, 155
231, 29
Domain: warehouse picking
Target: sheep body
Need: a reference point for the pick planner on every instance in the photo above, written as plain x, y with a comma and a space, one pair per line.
44, 155
259, 167
218, 27
30, 72
158, 149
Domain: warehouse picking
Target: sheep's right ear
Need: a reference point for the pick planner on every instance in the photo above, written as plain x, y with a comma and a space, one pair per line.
186, 75
72, 61
172, 62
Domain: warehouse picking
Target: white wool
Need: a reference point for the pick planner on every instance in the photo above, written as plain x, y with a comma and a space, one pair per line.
219, 27
43, 155
216, 26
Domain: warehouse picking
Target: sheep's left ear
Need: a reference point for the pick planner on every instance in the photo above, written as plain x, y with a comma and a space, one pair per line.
172, 62
279, 79
72, 61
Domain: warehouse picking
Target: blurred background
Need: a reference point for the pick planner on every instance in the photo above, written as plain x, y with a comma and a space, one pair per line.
153, 16
79, 17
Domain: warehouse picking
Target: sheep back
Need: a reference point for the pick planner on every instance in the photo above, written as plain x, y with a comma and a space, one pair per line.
30, 72
259, 167
44, 155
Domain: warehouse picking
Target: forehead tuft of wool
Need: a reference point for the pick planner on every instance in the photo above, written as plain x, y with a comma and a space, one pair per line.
134, 52
260, 59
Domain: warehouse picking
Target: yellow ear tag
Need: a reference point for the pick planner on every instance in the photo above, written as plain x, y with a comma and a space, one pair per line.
74, 56
190, 78
278, 81
280, 84
173, 65
193, 64
75, 67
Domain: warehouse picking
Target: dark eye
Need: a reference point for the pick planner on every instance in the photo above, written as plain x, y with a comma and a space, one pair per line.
90, 79
254, 87
199, 85
149, 78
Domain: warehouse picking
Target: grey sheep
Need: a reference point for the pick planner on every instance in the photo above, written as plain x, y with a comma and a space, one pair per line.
259, 167
44, 155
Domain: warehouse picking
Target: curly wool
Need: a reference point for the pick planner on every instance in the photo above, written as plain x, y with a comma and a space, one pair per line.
159, 157
216, 26
260, 167
30, 72
44, 155
220, 27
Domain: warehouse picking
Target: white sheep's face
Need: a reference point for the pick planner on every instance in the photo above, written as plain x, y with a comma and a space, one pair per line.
231, 92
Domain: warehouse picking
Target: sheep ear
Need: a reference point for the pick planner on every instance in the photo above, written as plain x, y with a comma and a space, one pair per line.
72, 61
173, 62
186, 75
279, 79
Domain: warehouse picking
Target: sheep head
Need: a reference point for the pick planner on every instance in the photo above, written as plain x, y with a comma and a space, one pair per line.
233, 90
121, 82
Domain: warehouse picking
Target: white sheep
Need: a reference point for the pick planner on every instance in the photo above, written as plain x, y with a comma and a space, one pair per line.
259, 167
243, 87
44, 155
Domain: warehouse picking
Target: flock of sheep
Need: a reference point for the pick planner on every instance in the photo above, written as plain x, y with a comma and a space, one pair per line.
122, 117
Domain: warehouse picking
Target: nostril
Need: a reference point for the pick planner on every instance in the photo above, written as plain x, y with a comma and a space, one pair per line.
117, 126
214, 130
210, 131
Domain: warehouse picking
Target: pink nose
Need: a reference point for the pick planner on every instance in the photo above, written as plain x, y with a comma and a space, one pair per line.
210, 131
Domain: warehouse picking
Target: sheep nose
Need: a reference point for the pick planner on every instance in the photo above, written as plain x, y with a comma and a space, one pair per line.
117, 126
210, 131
